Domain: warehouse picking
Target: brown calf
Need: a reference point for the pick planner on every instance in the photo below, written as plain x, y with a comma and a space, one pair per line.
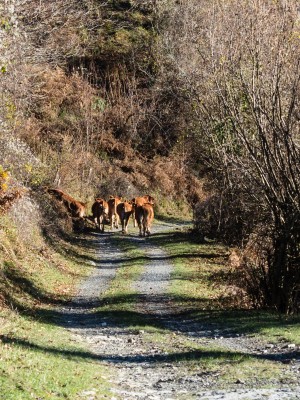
144, 216
139, 201
100, 213
74, 207
112, 211
124, 211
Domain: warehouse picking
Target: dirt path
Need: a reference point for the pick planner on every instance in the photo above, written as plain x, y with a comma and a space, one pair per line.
141, 368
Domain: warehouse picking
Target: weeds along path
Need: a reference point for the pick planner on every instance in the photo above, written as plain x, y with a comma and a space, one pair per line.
153, 352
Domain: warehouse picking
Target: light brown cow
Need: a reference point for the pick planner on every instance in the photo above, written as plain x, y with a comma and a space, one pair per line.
74, 207
144, 215
139, 201
112, 211
100, 213
124, 211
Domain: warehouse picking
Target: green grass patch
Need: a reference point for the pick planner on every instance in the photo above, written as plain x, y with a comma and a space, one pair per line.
39, 360
35, 274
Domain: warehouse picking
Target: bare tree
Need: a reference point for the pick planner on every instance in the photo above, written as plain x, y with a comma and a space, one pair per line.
239, 64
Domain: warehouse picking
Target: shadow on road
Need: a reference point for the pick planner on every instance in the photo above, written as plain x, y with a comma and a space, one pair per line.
193, 355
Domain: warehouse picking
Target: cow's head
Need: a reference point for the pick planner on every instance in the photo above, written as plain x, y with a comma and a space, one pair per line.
149, 199
56, 193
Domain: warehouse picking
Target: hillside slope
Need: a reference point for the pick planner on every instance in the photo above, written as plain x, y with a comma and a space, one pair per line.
82, 88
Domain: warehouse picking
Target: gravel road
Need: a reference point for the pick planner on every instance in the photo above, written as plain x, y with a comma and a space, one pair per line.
140, 369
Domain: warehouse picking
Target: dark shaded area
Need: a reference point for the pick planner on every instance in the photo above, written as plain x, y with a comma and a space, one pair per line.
198, 323
23, 284
192, 355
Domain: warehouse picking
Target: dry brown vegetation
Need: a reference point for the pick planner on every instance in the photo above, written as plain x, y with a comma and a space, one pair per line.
194, 100
88, 100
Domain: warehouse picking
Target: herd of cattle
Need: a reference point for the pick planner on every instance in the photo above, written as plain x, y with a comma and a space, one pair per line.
111, 212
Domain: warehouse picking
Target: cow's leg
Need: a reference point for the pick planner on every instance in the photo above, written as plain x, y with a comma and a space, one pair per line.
126, 223
97, 223
101, 223
111, 219
116, 221
133, 218
144, 221
144, 228
148, 228
123, 224
139, 219
140, 225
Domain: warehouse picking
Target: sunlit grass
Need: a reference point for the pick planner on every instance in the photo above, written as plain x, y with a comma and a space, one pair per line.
39, 360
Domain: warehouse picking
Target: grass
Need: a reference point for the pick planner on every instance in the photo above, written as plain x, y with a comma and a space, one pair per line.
40, 361
38, 358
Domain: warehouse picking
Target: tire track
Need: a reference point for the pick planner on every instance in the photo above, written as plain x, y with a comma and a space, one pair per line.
140, 368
